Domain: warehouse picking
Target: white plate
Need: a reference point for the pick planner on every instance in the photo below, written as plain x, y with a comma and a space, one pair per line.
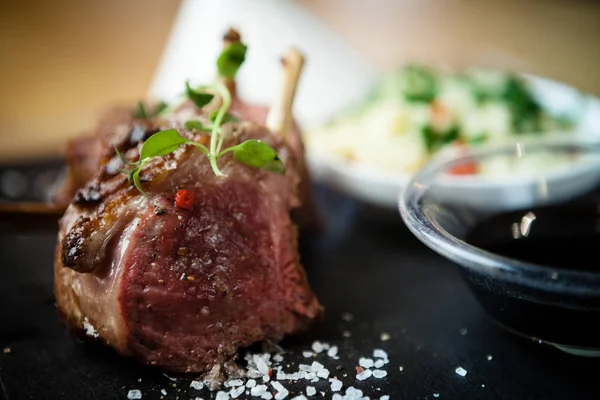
381, 188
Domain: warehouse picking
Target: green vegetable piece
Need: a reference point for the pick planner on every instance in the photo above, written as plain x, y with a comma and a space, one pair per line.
435, 140
160, 107
418, 84
257, 154
231, 59
200, 99
161, 143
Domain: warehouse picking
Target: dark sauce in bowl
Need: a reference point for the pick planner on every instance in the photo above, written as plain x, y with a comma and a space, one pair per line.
560, 238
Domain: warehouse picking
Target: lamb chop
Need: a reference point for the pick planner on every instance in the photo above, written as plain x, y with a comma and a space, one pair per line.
187, 258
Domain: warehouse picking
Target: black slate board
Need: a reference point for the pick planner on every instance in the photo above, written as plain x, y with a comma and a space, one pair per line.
371, 267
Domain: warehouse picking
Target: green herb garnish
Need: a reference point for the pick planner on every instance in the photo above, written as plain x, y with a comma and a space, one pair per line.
142, 113
253, 153
231, 59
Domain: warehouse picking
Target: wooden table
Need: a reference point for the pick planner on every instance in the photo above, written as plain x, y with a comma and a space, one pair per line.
63, 62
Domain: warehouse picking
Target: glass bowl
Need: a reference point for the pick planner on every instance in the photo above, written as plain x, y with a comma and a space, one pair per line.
522, 222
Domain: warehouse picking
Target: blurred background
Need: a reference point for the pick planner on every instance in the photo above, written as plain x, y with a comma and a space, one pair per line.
65, 61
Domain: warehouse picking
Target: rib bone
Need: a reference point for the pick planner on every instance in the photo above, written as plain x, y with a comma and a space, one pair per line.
279, 118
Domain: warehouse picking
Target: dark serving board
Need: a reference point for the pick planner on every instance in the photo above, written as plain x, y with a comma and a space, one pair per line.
371, 267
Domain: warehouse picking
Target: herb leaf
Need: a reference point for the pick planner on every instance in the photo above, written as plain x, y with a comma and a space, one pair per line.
257, 154
196, 124
141, 113
200, 99
160, 144
227, 118
231, 59
160, 107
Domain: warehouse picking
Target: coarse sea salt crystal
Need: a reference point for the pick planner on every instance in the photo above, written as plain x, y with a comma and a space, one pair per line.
333, 351
379, 353
234, 382
196, 385
134, 394
299, 397
379, 363
310, 375
364, 375
258, 390
307, 354
316, 366
317, 347
365, 362
278, 358
163, 391
222, 395
461, 371
236, 392
311, 391
353, 394
261, 365
386, 397
251, 383
89, 328
337, 396
436, 395
336, 385
266, 378
323, 373
379, 373
266, 396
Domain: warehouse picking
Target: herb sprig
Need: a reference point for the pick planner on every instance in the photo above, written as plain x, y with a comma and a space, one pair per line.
253, 153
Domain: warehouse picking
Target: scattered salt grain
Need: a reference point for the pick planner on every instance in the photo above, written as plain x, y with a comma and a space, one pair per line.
364, 375
353, 394
379, 373
278, 358
311, 391
251, 383
336, 385
316, 366
461, 371
266, 396
300, 397
163, 391
386, 397
489, 357
308, 354
258, 390
401, 368
261, 365
282, 392
89, 329
482, 385
333, 351
236, 392
337, 396
463, 331
7, 350
196, 385
379, 363
346, 334
317, 347
378, 353
365, 362
385, 337
436, 395
266, 378
222, 395
134, 394
347, 317
323, 373
234, 383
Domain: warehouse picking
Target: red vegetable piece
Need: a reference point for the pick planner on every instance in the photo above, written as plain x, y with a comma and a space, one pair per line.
184, 199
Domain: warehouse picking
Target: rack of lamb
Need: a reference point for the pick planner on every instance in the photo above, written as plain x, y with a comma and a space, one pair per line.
179, 245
